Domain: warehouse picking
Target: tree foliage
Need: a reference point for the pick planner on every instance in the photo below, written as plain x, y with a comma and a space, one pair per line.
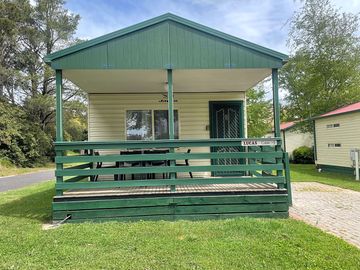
29, 31
259, 113
323, 71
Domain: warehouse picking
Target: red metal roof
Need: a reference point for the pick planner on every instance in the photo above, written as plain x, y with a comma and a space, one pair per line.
345, 109
287, 125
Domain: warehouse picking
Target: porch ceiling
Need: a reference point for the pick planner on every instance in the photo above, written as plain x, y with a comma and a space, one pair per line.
143, 81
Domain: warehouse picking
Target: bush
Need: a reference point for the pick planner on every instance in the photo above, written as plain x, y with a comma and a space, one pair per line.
303, 155
22, 142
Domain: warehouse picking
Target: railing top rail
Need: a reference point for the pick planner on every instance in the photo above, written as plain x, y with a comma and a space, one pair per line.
160, 143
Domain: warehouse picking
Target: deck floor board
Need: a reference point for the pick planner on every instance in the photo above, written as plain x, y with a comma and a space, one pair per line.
166, 190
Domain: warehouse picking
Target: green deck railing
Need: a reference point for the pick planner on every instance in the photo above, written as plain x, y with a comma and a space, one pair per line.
252, 163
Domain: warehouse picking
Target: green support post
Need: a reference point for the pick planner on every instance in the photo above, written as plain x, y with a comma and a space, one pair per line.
171, 120
59, 124
276, 110
276, 104
287, 177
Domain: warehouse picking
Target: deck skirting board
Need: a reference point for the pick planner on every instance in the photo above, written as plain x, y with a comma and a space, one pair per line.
172, 207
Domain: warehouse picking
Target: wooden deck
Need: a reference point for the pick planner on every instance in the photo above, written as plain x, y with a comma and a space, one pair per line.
192, 202
181, 190
243, 189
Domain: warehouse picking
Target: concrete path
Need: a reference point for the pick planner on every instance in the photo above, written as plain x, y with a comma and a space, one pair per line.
22, 180
332, 209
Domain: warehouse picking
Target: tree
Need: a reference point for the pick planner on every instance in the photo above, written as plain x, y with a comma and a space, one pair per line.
28, 33
258, 112
323, 72
21, 141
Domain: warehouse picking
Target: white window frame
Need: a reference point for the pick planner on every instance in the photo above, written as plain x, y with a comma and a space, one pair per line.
152, 120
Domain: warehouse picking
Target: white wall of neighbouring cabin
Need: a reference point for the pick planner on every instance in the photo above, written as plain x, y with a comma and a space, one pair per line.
347, 134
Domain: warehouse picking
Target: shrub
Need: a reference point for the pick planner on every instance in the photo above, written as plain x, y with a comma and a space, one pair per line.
303, 155
22, 142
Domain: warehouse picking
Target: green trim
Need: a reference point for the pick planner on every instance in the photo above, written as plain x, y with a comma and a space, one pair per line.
287, 177
166, 17
336, 169
169, 169
161, 201
153, 144
167, 156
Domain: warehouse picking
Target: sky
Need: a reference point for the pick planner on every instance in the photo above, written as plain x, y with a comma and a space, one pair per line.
265, 22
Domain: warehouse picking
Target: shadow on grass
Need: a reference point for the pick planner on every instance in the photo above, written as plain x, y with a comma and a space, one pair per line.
36, 206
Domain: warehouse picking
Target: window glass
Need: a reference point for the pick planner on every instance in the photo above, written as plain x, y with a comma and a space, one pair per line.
334, 145
139, 125
161, 127
333, 125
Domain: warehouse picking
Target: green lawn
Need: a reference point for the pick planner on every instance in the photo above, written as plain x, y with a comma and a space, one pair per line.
13, 170
308, 173
218, 244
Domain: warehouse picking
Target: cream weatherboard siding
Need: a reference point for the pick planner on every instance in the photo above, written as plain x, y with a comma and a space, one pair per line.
295, 139
107, 114
348, 135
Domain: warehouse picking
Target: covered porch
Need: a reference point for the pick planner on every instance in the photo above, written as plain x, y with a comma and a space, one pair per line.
167, 132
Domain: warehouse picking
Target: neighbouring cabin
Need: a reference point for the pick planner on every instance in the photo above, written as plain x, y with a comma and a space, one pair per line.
293, 138
167, 127
336, 134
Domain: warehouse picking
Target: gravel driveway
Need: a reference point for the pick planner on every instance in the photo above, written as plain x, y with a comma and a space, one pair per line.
332, 209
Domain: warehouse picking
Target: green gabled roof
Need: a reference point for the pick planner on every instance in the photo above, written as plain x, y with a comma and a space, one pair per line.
168, 17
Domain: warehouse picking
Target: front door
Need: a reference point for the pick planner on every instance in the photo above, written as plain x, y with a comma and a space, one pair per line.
226, 121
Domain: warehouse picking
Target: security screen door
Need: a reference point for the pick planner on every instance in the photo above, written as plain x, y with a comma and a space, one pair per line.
226, 121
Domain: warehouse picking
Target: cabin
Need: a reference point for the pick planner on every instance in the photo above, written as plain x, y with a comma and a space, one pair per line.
337, 133
167, 127
293, 138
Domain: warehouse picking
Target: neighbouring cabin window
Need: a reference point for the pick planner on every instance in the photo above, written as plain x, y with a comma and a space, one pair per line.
140, 124
332, 145
161, 124
333, 125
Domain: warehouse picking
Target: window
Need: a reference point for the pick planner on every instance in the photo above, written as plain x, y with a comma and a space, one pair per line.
161, 127
333, 125
140, 124
332, 145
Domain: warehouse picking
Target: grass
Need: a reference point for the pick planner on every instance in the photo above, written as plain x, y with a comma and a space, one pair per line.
308, 173
218, 244
6, 170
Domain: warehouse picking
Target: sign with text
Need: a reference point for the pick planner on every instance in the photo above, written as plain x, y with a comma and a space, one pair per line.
251, 142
